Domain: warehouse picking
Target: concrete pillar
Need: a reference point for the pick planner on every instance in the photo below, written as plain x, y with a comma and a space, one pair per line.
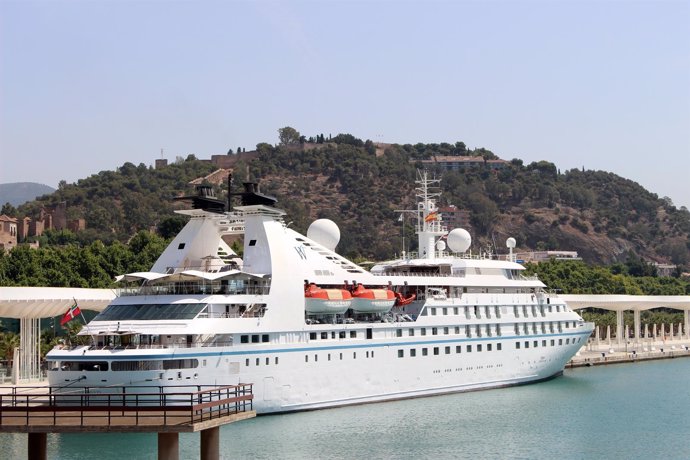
619, 326
686, 317
168, 446
210, 444
638, 325
37, 446
646, 331
608, 334
654, 331
596, 334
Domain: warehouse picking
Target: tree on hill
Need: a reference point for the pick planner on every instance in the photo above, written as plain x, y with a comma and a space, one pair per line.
288, 136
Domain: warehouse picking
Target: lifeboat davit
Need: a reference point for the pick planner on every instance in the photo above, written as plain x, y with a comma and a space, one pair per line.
372, 300
401, 301
326, 301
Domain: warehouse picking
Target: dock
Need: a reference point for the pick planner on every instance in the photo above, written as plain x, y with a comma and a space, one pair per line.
603, 354
40, 410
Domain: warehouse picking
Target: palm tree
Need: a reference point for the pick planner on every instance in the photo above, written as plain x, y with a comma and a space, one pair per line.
8, 342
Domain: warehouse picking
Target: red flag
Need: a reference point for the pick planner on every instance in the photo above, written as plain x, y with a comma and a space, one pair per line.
70, 315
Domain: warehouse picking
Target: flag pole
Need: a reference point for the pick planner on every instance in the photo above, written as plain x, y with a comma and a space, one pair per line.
86, 324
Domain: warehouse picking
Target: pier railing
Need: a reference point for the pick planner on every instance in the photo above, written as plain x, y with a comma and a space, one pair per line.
125, 406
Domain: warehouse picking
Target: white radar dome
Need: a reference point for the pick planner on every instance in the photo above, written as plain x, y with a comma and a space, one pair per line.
510, 243
459, 240
440, 245
325, 232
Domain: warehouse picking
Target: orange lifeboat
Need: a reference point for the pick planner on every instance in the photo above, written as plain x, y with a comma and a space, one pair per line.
326, 301
366, 300
401, 301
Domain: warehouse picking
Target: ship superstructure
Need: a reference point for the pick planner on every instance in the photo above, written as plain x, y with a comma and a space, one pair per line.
310, 328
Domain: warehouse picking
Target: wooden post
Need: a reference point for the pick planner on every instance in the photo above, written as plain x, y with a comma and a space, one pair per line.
168, 446
210, 444
37, 446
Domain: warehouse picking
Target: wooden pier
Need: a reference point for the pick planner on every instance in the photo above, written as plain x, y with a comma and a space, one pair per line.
41, 410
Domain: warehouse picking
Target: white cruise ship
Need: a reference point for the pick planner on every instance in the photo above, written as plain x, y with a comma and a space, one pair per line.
311, 329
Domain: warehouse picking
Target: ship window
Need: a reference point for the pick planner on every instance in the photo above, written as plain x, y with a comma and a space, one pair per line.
543, 343
434, 331
517, 345
341, 334
435, 350
180, 246
246, 362
324, 335
354, 355
257, 361
312, 336
276, 360
433, 312
567, 341
553, 342
488, 347
103, 365
150, 312
316, 358
447, 350
306, 358
329, 356
457, 329
268, 360
455, 310
252, 242
479, 347
536, 343
560, 341
341, 356
244, 339
411, 332
264, 338
372, 354
255, 338
353, 334
458, 349
370, 333
425, 351
469, 349
401, 353
413, 352
445, 311
446, 331
333, 334
499, 346
423, 331
398, 332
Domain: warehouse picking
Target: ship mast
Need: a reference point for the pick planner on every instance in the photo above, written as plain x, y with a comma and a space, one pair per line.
429, 226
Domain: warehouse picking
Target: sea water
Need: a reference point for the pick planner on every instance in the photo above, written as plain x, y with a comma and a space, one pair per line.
623, 411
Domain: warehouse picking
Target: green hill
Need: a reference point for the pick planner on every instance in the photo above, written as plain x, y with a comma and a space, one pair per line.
17, 193
599, 214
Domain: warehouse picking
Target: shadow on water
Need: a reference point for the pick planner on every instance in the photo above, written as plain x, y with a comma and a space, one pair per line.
623, 411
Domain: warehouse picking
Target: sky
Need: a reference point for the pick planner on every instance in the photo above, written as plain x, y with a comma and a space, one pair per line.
86, 86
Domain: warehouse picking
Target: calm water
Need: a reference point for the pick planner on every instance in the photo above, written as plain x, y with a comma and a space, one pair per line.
623, 411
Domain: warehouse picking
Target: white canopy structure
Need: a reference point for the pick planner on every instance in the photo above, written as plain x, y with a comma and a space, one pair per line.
636, 303
29, 305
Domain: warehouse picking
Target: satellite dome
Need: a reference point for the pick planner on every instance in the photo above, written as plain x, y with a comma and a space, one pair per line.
459, 240
325, 232
440, 245
510, 243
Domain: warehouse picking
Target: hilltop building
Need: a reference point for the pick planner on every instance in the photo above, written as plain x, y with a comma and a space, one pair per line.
8, 232
458, 163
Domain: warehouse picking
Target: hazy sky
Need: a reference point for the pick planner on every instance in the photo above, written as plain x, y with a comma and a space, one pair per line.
88, 85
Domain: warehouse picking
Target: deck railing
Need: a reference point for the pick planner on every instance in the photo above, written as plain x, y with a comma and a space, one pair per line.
134, 405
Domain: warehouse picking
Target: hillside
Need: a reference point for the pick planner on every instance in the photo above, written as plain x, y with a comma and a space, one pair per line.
604, 217
17, 193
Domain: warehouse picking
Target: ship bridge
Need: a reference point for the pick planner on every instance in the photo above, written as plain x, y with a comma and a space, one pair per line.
30, 305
